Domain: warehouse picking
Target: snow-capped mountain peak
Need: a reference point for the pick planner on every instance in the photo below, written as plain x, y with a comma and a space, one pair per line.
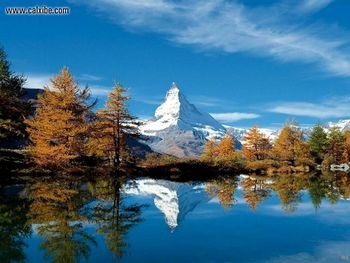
179, 128
174, 99
176, 110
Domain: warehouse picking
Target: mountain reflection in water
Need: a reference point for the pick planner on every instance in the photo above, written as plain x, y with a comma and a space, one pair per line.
107, 219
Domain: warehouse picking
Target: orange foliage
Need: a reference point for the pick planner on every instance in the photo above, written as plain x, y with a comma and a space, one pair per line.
256, 146
112, 127
226, 147
58, 129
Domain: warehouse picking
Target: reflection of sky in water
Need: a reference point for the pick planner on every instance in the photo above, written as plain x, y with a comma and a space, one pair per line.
207, 232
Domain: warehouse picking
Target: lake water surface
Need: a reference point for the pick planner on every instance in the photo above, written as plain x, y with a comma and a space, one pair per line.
236, 219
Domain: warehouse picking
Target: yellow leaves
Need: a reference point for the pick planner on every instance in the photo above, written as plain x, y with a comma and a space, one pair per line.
289, 147
256, 145
58, 129
113, 125
224, 149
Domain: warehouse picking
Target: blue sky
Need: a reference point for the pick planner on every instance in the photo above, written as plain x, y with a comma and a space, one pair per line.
252, 62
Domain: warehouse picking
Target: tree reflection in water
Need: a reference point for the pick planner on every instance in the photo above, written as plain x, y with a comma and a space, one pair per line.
255, 190
56, 209
288, 187
61, 208
13, 227
60, 211
113, 216
224, 188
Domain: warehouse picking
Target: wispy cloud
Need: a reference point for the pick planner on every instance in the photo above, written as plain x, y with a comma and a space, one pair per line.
313, 5
39, 81
89, 77
229, 26
150, 100
100, 90
233, 116
205, 101
333, 108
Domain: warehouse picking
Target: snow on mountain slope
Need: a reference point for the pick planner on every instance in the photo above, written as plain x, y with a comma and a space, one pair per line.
179, 128
239, 133
174, 200
177, 111
343, 125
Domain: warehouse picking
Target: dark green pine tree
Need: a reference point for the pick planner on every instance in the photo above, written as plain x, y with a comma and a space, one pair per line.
13, 109
318, 142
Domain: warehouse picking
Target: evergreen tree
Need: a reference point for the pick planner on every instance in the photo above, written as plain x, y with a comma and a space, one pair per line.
256, 146
318, 142
13, 109
114, 125
58, 130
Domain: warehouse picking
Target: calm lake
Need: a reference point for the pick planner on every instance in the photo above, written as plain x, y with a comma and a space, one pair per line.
300, 218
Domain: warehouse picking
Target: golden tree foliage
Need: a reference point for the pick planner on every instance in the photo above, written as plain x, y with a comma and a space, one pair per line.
113, 126
257, 145
346, 151
226, 147
58, 130
290, 148
210, 150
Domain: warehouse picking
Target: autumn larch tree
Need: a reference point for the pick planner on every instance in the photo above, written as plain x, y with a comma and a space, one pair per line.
13, 108
290, 148
226, 147
346, 152
335, 146
210, 151
114, 125
256, 145
58, 129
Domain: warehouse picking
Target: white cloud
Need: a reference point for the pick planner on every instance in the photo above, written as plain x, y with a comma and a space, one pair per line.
328, 109
233, 116
205, 101
313, 5
151, 100
228, 26
323, 251
37, 81
100, 90
88, 77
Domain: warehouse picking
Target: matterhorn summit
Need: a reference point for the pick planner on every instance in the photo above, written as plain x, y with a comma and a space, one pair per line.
179, 128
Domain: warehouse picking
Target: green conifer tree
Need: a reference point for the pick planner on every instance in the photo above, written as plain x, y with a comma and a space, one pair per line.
13, 109
318, 142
